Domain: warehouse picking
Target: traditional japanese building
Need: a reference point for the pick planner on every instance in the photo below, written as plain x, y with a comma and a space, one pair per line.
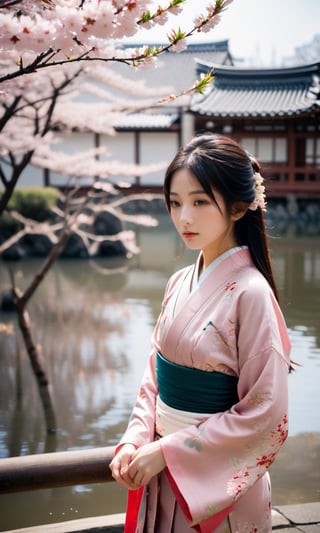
154, 134
274, 114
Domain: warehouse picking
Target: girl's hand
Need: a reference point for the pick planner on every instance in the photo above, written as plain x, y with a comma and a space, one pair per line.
119, 466
146, 462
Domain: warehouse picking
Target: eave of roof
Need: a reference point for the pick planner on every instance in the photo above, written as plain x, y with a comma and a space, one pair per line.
146, 121
239, 93
192, 48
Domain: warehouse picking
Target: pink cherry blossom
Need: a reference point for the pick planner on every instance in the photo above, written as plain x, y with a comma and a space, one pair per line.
179, 46
211, 24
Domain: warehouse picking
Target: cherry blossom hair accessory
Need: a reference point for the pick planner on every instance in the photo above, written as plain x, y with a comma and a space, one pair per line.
260, 198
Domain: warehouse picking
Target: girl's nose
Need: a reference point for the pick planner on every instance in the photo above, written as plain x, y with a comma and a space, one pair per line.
186, 216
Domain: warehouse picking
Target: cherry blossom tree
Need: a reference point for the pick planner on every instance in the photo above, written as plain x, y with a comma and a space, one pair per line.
90, 30
49, 50
42, 103
65, 35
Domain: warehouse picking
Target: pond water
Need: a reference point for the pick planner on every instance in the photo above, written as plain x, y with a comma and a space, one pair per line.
93, 320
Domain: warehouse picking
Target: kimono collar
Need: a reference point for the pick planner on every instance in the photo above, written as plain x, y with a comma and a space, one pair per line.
199, 277
190, 296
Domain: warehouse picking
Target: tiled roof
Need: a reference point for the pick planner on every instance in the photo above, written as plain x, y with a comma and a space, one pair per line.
238, 93
146, 121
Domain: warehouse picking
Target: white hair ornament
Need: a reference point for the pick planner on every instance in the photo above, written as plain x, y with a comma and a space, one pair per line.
260, 198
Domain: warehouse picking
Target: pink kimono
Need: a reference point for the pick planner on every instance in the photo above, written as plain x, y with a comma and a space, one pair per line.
216, 476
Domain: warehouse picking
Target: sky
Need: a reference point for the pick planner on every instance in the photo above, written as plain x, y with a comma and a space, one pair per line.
263, 30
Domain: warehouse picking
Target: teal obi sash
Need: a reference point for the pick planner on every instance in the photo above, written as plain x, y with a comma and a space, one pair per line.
194, 390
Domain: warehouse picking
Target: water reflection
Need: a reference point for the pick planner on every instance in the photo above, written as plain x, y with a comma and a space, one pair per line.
88, 334
93, 321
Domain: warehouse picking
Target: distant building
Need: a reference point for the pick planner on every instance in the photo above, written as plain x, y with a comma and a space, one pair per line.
305, 54
273, 112
157, 134
177, 70
275, 115
151, 136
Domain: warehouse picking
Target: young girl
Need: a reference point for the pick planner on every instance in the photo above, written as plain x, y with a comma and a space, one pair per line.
211, 413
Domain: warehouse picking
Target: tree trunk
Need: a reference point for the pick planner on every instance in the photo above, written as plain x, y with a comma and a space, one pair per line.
38, 369
20, 301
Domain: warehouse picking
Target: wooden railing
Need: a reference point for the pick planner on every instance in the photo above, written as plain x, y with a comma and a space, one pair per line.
282, 180
56, 469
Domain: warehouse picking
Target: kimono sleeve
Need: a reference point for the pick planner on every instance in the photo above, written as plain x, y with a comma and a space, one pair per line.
140, 429
141, 426
213, 464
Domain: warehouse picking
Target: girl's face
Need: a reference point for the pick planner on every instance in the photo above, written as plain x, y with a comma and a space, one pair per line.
202, 223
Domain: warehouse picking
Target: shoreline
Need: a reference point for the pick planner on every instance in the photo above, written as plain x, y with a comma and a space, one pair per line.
285, 518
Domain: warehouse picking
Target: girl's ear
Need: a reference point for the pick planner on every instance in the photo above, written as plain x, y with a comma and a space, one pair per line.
238, 210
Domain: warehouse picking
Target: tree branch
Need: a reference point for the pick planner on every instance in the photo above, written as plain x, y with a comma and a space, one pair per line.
9, 111
10, 185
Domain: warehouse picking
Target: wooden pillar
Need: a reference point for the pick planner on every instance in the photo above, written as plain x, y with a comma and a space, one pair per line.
187, 126
137, 155
46, 177
291, 155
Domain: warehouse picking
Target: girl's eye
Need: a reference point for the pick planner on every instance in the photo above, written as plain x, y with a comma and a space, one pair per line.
201, 202
174, 203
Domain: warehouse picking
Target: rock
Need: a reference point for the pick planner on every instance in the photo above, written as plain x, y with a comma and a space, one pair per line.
108, 224
7, 301
37, 245
75, 247
14, 253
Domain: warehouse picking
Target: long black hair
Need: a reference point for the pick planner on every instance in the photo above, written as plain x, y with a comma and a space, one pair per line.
220, 163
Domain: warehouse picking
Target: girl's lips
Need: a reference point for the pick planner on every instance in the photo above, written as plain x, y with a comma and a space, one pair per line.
189, 234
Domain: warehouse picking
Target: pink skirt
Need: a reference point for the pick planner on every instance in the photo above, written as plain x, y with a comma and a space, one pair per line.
159, 512
156, 510
164, 515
